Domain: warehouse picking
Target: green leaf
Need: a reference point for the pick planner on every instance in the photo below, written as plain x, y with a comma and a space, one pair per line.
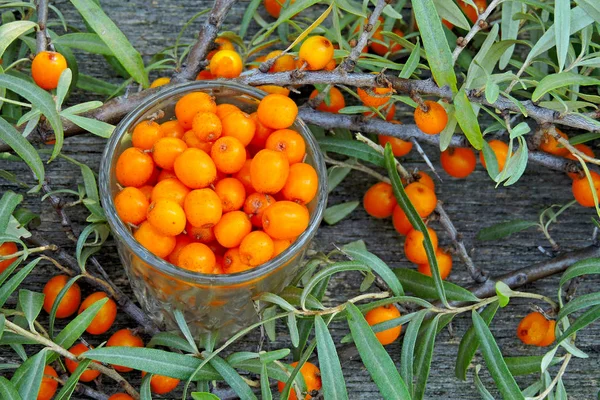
477, 70
509, 27
10, 136
31, 304
504, 293
352, 148
286, 14
185, 329
170, 340
2, 320
274, 370
232, 378
467, 120
408, 348
559, 80
584, 267
338, 212
483, 392
98, 128
64, 82
449, 11
28, 377
9, 32
203, 396
8, 390
88, 42
435, 44
58, 300
562, 9
424, 286
504, 229
578, 303
378, 266
145, 388
248, 14
591, 7
9, 201
329, 363
13, 283
71, 383
469, 343
494, 361
375, 358
423, 356
412, 63
265, 385
74, 329
110, 34
335, 176
293, 328
526, 365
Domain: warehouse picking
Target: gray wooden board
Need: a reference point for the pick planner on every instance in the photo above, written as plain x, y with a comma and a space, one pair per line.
471, 203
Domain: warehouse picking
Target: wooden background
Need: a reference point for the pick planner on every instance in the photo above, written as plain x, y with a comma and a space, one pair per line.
472, 204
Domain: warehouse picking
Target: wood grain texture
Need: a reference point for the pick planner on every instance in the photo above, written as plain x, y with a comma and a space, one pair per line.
471, 203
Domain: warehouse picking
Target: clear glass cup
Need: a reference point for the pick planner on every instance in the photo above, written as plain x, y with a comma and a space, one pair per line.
222, 303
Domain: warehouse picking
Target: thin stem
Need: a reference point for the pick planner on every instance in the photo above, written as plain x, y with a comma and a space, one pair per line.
558, 376
357, 167
18, 103
342, 307
50, 247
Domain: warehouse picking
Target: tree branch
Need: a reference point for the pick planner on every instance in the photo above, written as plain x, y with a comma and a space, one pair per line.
41, 36
477, 26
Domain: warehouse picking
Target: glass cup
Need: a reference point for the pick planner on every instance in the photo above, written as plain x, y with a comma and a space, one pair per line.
222, 303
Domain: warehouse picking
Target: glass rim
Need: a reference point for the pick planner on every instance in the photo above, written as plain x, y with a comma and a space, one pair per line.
124, 234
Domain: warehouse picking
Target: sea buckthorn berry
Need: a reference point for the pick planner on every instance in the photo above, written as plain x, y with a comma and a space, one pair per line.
124, 338
232, 263
232, 228
312, 378
105, 317
533, 328
400, 221
425, 179
154, 177
336, 101
550, 335
280, 245
191, 140
225, 109
582, 190
172, 129
550, 144
203, 208
470, 12
232, 194
166, 150
269, 171
382, 314
170, 189
400, 147
191, 104
163, 80
155, 242
444, 262
161, 384
414, 247
70, 301
120, 396
422, 197
46, 68
274, 89
379, 200
433, 120
273, 7
330, 66
222, 44
197, 257
255, 205
239, 125
48, 386
382, 49
277, 111
228, 154
285, 219
283, 63
7, 248
89, 374
316, 51
204, 75
379, 97
226, 64
195, 169
290, 142
134, 167
458, 162
145, 134
500, 149
302, 183
585, 149
166, 174
256, 248
207, 126
202, 235
243, 176
167, 217
180, 242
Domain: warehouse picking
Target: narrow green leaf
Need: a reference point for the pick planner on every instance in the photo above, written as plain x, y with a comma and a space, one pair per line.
145, 388
591, 7
449, 11
74, 329
338, 212
423, 356
483, 392
98, 128
285, 15
274, 370
31, 304
424, 286
509, 28
13, 283
562, 79
170, 340
8, 390
352, 148
562, 9
329, 363
248, 14
10, 136
89, 42
526, 365
408, 348
203, 396
584, 267
336, 175
28, 377
185, 329
232, 378
2, 320
378, 266
9, 201
64, 82
71, 383
477, 69
504, 229
467, 120
412, 63
9, 32
58, 300
293, 328
578, 303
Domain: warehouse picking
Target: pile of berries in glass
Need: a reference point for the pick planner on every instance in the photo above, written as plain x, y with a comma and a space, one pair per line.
217, 190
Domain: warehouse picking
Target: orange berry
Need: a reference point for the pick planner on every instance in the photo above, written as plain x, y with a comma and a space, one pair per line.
330, 66
232, 228
274, 89
261, 134
280, 245
197, 257
161, 384
167, 217
46, 68
550, 335
166, 174
379, 200
290, 142
105, 317
199, 234
204, 75
587, 150
124, 338
433, 120
255, 205
414, 249
243, 176
458, 162
134, 167
89, 374
382, 314
500, 149
154, 241
273, 7
170, 189
172, 129
120, 396
228, 154
317, 52
425, 179
225, 109
422, 197
582, 190
550, 144
239, 125
232, 194
6, 249
312, 378
207, 126
302, 183
379, 98
191, 104
226, 64
232, 263
283, 63
400, 221
145, 134
191, 140
203, 208
222, 44
285, 219
533, 328
195, 169
336, 101
166, 150
70, 301
180, 242
277, 111
48, 386
269, 171
400, 147
444, 262
256, 248
160, 82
